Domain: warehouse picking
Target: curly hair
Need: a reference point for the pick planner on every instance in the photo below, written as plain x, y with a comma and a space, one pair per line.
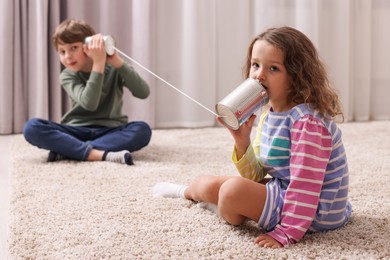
310, 83
71, 31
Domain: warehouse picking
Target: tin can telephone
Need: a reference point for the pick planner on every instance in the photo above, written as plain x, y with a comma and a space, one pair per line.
234, 109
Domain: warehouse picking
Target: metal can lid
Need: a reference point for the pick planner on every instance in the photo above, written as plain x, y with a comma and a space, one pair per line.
228, 116
109, 44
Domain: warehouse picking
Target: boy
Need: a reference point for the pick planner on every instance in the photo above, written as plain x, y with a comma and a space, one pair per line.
94, 129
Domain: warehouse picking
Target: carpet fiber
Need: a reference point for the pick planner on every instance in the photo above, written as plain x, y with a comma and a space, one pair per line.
94, 210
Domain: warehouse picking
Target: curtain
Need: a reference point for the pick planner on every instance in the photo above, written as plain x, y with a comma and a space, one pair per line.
198, 46
29, 67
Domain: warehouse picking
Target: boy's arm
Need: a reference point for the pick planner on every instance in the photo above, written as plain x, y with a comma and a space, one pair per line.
137, 85
88, 94
133, 81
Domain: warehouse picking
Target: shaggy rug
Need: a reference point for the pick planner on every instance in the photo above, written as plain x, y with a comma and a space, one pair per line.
95, 210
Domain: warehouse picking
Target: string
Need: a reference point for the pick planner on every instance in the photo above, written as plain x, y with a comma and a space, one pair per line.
166, 82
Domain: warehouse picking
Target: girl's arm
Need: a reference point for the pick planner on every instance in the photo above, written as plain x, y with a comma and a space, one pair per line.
311, 146
247, 157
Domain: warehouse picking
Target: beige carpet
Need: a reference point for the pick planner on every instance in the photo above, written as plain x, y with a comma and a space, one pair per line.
73, 210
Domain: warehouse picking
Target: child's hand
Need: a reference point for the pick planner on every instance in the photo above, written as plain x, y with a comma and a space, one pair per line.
265, 240
241, 135
96, 51
115, 60
95, 48
244, 130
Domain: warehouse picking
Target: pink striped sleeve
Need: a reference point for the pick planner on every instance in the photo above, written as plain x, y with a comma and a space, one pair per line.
311, 146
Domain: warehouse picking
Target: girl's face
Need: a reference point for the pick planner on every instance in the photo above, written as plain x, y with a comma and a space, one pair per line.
267, 66
73, 57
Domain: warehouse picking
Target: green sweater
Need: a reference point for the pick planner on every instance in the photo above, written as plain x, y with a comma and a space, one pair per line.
96, 98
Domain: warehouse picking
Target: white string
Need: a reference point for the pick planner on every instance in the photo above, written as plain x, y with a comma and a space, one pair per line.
166, 82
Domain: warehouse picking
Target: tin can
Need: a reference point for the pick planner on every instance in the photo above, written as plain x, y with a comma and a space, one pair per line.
241, 103
109, 43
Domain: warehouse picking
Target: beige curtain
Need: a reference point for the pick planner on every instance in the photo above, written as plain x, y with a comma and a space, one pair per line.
29, 67
198, 46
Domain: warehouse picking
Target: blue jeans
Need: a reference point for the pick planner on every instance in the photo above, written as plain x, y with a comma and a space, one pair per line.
76, 142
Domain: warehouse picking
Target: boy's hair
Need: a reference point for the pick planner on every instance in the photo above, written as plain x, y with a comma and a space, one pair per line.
309, 79
71, 31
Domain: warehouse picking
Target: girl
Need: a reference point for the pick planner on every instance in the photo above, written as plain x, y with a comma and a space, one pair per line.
298, 145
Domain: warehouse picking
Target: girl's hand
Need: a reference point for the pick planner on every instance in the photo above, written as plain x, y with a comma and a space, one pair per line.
265, 240
241, 135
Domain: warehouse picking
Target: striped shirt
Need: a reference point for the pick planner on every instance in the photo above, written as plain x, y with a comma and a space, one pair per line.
304, 154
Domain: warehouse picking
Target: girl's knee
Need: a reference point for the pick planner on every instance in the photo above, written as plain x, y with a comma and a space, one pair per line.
229, 199
230, 189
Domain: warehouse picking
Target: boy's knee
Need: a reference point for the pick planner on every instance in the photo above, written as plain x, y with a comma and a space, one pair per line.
31, 128
28, 127
144, 131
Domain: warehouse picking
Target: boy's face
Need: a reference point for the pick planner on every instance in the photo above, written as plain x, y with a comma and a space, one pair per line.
73, 57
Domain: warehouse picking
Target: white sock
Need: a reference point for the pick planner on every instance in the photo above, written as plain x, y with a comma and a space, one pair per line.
210, 206
169, 190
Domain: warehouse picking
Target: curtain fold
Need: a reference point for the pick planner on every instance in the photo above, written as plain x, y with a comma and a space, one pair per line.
380, 60
360, 99
7, 85
57, 99
199, 46
19, 75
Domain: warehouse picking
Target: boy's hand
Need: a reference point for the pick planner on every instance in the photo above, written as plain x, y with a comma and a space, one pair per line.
115, 60
96, 51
